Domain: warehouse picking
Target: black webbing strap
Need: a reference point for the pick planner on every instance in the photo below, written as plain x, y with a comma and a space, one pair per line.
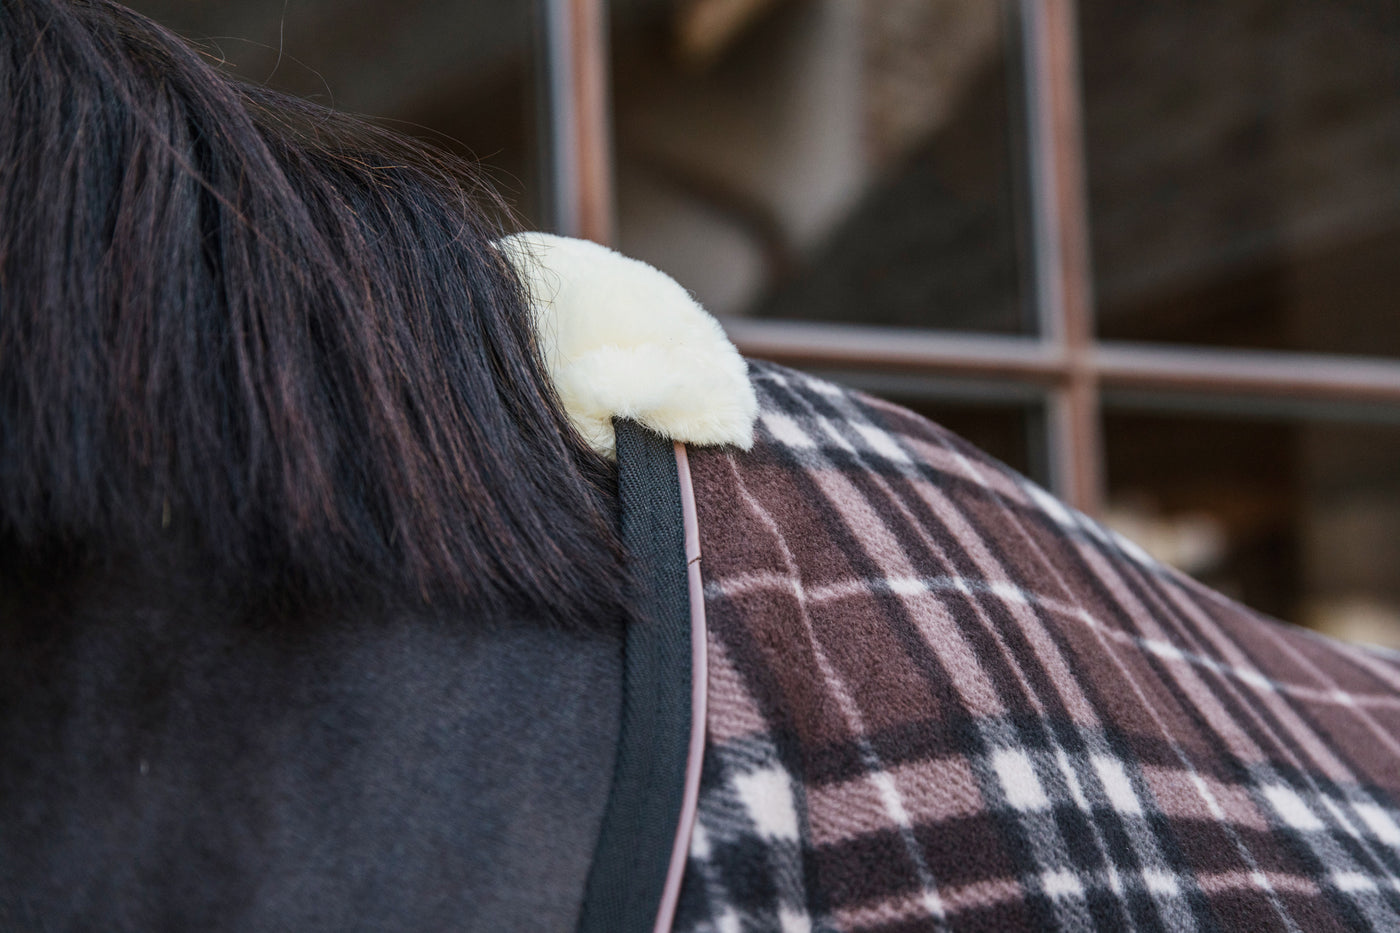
634, 847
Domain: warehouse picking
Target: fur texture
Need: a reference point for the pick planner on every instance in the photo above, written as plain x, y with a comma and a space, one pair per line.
624, 340
267, 340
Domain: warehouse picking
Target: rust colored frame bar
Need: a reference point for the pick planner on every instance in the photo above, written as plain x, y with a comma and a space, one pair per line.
799, 343
1060, 245
579, 118
1151, 367
1252, 373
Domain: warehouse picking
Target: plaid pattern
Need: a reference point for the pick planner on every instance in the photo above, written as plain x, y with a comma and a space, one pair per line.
941, 700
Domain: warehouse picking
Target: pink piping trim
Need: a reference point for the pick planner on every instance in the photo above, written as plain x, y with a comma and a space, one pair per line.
699, 679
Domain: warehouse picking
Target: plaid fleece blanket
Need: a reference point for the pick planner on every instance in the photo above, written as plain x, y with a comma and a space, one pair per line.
941, 700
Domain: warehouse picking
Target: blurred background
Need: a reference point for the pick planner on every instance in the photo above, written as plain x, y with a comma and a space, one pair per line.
1147, 253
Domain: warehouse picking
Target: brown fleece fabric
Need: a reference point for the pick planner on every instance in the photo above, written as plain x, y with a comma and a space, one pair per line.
939, 699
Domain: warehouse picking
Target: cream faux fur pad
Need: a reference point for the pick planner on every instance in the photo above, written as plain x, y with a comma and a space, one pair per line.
622, 339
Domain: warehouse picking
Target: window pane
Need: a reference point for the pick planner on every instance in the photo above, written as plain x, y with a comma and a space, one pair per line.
457, 74
1297, 518
1011, 433
1244, 171
826, 160
1007, 422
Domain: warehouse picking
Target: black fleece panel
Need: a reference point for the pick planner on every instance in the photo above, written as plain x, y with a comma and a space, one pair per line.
634, 849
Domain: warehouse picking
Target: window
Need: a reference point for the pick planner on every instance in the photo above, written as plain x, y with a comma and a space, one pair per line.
461, 74
1147, 253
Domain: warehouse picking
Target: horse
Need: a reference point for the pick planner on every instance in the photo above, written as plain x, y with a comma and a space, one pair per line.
365, 565
311, 598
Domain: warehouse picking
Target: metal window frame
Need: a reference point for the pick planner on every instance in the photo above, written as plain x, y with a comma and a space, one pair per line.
578, 123
1067, 363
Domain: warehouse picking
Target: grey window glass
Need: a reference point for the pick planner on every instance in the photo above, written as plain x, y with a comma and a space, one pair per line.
1297, 517
1006, 421
1244, 172
1011, 432
827, 160
460, 75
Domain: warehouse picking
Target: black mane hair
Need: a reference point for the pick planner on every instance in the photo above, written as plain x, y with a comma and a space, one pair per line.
269, 340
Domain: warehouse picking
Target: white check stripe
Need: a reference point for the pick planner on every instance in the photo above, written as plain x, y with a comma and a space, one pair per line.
911, 586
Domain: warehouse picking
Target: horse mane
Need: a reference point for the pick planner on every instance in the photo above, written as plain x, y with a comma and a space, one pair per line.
272, 340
